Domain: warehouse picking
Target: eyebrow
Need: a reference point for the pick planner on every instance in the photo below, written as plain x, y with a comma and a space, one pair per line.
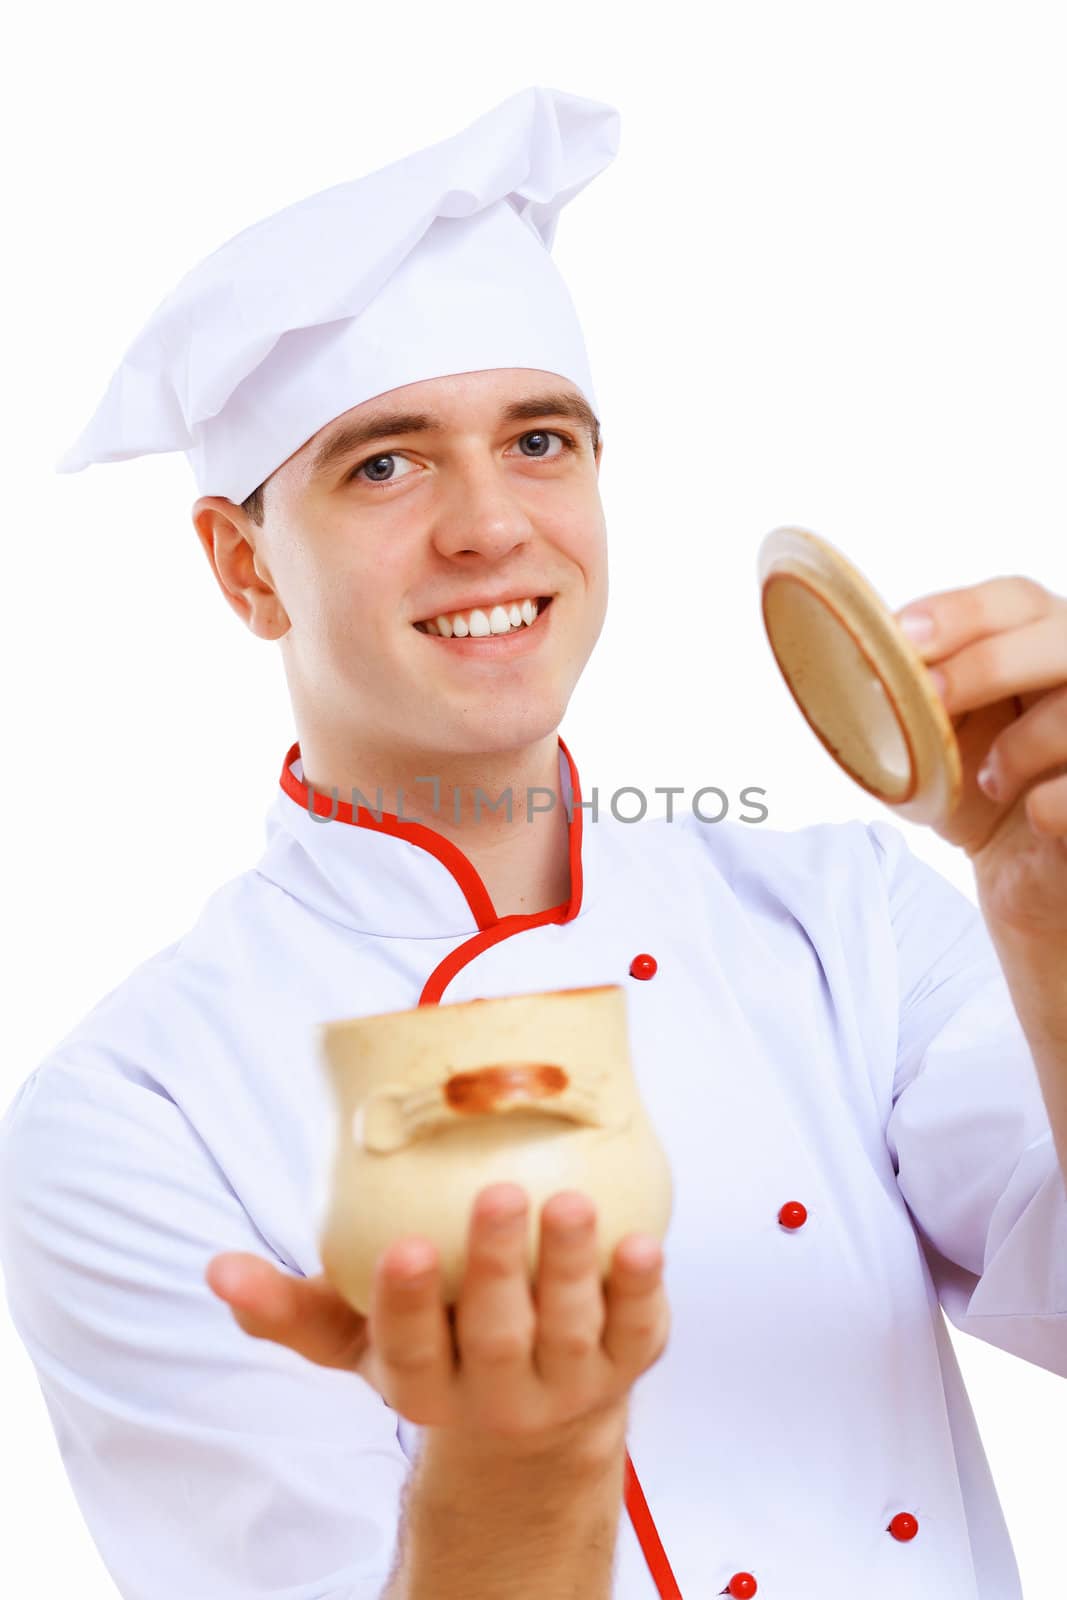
353, 436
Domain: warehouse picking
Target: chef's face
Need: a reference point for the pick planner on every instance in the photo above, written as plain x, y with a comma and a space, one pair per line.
445, 504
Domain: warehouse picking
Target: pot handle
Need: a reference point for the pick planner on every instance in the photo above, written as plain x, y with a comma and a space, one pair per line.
392, 1117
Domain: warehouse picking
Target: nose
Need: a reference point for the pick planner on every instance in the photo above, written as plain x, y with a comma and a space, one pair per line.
482, 513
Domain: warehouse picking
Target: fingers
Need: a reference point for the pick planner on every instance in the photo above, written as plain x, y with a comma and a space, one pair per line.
412, 1362
1033, 656
1047, 807
569, 1298
518, 1362
495, 1316
638, 1315
304, 1314
1032, 745
959, 617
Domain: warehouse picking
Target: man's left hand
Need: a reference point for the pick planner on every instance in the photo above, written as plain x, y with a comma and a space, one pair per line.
1000, 648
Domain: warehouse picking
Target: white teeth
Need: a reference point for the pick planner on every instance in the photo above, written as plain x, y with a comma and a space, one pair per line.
479, 624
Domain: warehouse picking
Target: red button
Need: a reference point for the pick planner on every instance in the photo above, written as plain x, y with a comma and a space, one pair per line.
903, 1526
643, 967
793, 1214
742, 1586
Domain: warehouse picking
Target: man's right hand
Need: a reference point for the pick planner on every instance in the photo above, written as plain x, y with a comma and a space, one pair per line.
511, 1361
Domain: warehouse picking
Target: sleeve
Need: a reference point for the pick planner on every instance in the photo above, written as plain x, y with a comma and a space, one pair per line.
968, 1129
205, 1462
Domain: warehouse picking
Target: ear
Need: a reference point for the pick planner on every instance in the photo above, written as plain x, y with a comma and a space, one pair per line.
233, 546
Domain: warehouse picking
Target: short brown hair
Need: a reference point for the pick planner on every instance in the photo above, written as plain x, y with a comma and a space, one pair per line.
253, 506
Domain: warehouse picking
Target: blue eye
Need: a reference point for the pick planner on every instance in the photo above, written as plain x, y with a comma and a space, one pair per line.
373, 461
566, 442
543, 433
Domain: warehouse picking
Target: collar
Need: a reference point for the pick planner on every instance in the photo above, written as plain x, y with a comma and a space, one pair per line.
383, 875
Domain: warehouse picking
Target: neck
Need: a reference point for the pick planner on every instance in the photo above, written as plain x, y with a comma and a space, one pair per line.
520, 851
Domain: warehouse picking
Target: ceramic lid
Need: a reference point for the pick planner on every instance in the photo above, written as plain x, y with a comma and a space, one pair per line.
860, 683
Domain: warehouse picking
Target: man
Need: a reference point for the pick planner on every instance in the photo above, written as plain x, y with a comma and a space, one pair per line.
859, 1081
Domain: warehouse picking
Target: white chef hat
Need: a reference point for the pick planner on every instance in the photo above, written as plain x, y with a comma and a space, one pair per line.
438, 263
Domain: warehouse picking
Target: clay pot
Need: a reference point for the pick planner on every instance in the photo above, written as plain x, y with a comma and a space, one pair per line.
436, 1102
859, 681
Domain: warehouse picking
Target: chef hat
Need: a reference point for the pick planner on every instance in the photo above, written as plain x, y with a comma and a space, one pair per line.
438, 263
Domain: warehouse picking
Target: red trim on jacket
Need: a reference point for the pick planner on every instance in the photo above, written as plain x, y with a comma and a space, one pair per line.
648, 1537
449, 854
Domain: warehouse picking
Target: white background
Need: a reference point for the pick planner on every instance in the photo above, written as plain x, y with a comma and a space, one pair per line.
823, 283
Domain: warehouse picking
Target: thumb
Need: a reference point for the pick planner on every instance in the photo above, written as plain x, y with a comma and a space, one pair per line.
307, 1315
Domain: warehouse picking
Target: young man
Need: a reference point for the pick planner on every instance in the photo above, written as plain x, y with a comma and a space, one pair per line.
858, 1079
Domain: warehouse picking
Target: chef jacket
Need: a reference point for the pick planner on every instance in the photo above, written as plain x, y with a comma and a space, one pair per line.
827, 1049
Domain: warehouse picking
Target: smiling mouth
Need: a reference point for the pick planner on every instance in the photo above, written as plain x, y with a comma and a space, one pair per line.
543, 602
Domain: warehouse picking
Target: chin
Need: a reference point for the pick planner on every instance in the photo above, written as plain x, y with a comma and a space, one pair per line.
504, 728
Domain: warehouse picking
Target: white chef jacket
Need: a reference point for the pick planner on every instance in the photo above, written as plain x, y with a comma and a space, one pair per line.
828, 1051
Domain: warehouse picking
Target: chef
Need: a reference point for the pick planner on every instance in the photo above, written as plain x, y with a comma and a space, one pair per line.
860, 1080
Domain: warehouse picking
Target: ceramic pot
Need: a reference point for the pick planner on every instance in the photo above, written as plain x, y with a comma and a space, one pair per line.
436, 1102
